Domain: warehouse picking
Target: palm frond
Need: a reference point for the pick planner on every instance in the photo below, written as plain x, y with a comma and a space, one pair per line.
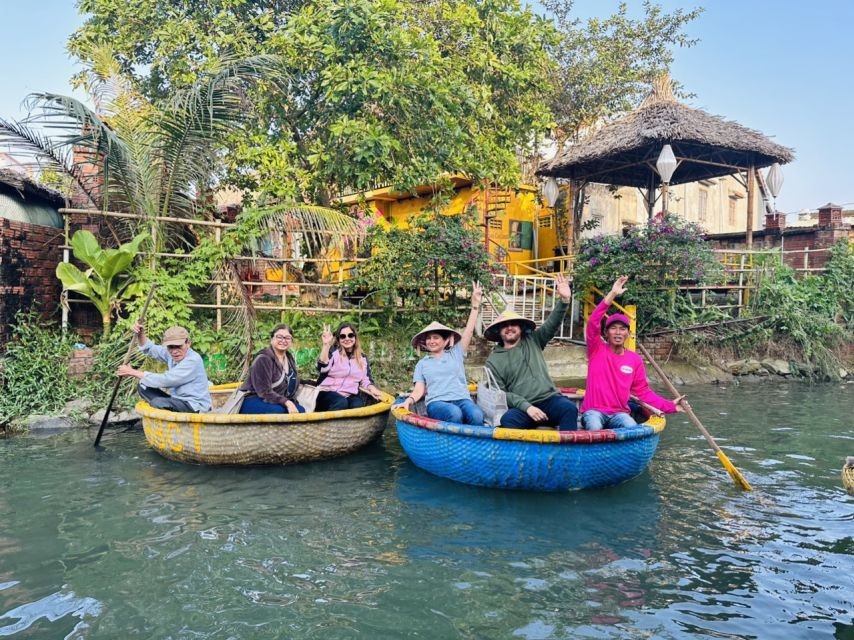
196, 120
321, 226
91, 143
37, 151
242, 320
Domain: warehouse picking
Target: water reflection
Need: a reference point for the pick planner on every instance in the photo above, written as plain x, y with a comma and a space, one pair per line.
127, 544
463, 517
47, 616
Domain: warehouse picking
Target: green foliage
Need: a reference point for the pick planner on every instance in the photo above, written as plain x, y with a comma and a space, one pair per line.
605, 65
800, 319
106, 282
656, 257
812, 312
35, 369
439, 253
369, 91
839, 278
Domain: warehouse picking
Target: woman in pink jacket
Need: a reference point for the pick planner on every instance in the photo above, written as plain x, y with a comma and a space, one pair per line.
615, 372
344, 369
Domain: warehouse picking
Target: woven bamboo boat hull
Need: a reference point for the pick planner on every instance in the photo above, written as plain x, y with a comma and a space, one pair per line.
537, 459
848, 478
244, 439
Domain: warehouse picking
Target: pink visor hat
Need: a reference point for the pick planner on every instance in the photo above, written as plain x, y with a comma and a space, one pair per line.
618, 317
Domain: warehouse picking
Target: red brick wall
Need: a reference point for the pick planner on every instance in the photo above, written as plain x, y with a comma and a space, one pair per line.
817, 239
29, 254
660, 347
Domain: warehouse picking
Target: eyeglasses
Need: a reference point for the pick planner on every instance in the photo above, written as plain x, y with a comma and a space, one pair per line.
344, 336
283, 338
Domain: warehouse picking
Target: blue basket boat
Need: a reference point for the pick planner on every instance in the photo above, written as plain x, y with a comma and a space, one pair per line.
532, 459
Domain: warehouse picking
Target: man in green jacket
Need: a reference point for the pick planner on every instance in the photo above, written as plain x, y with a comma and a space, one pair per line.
520, 368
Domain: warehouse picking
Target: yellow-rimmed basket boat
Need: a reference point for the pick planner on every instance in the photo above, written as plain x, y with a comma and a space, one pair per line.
248, 439
848, 475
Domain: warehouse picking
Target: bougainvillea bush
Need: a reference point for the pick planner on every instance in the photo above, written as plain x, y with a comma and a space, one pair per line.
657, 257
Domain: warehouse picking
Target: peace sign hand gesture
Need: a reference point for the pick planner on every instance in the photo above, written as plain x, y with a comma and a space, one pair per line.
476, 295
326, 337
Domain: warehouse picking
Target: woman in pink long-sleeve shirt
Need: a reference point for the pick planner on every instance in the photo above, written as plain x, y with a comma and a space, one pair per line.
614, 372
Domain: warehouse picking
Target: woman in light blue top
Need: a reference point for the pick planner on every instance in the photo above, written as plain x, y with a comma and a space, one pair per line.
440, 375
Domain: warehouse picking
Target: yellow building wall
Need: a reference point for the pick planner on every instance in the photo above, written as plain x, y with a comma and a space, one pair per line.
521, 206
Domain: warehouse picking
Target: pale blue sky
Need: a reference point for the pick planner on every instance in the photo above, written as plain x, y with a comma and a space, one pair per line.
782, 67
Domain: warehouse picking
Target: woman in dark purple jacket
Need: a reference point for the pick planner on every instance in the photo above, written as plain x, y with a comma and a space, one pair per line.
273, 378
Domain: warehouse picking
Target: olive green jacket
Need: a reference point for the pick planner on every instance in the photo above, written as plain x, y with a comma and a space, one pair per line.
521, 370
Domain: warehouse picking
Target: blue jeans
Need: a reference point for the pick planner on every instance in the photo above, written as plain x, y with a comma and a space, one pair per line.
332, 401
254, 404
560, 410
593, 420
456, 411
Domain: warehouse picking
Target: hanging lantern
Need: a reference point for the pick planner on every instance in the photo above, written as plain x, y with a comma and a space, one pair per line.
774, 179
551, 191
666, 164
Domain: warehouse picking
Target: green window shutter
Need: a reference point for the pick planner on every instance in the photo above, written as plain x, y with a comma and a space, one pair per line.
527, 235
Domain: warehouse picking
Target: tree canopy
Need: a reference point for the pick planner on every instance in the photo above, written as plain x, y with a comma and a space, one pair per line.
391, 91
605, 65
377, 91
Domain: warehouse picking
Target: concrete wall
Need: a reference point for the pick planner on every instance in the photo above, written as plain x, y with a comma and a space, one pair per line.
625, 206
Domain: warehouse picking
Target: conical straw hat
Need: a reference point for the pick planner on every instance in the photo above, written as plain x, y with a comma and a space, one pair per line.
508, 315
434, 327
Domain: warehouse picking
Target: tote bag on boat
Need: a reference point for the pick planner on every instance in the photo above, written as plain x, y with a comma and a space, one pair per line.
306, 395
233, 403
491, 399
235, 400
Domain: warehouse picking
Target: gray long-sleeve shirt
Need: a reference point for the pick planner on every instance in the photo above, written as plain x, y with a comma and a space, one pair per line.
186, 380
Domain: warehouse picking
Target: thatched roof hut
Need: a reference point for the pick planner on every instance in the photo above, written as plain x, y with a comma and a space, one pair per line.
624, 152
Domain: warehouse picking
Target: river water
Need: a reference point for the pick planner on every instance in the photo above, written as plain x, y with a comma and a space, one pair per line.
125, 544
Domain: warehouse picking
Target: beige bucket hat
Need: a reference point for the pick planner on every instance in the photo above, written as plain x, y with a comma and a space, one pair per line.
434, 327
508, 315
175, 337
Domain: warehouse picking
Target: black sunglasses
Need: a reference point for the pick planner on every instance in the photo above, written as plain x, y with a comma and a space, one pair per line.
342, 336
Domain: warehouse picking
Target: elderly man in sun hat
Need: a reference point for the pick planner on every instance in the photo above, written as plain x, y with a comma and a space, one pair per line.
614, 372
185, 377
520, 368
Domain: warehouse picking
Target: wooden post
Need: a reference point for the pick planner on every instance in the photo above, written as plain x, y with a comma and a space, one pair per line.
284, 290
751, 180
65, 256
740, 283
806, 259
218, 239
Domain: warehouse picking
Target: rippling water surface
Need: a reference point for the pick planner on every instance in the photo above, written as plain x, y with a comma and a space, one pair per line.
125, 544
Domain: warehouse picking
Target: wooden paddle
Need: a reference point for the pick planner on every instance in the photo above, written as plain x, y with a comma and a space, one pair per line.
119, 379
740, 480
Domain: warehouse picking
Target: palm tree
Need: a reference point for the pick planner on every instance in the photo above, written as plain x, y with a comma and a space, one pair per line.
159, 159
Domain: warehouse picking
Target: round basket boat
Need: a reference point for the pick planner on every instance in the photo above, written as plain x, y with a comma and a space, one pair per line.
848, 475
532, 459
246, 439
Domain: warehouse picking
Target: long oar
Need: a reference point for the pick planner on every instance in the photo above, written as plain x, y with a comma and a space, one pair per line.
740, 480
128, 355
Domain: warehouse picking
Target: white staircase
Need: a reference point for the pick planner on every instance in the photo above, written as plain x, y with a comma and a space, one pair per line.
532, 297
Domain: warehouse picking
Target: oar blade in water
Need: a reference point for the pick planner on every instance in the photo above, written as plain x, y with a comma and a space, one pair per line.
734, 473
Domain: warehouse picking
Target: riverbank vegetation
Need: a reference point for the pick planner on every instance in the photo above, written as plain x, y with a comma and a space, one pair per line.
301, 101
